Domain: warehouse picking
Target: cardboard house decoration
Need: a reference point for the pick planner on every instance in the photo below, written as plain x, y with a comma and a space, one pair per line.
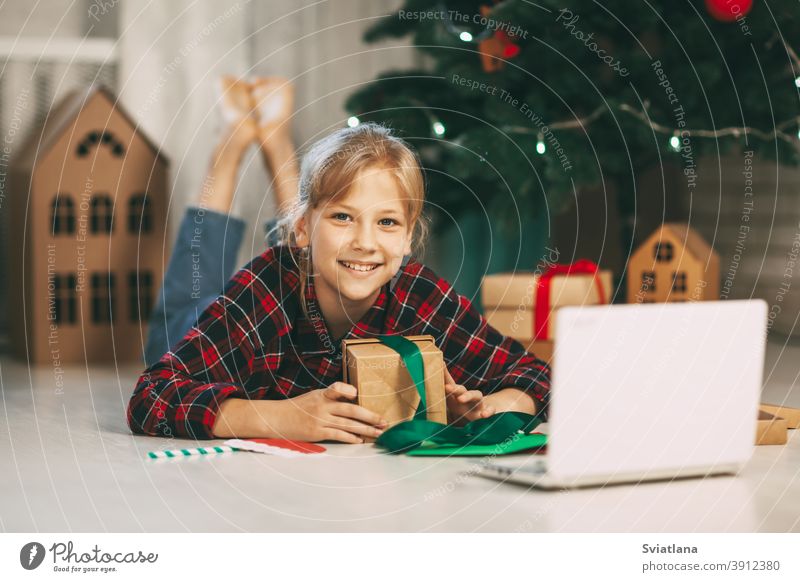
673, 264
88, 225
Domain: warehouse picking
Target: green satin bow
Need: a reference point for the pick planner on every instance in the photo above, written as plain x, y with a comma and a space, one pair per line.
501, 433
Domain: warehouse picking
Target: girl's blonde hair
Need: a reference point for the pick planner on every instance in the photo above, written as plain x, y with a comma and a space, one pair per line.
329, 169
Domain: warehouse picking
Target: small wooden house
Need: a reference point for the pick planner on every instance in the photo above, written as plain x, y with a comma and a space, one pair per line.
88, 198
673, 264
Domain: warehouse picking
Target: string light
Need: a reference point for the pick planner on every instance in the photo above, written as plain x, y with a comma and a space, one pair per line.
674, 141
353, 121
581, 123
780, 131
457, 30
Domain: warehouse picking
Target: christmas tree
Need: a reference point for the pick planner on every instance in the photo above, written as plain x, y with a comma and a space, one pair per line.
524, 104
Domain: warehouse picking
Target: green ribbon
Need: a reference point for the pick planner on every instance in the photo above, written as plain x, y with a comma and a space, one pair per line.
501, 433
518, 443
412, 358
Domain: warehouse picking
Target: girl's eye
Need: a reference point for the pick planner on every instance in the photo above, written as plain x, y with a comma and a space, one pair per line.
392, 221
339, 215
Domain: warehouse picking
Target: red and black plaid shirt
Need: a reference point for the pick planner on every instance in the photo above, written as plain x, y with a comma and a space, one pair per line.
255, 342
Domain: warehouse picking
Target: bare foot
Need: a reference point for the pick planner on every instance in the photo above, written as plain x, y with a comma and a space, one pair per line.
236, 105
273, 102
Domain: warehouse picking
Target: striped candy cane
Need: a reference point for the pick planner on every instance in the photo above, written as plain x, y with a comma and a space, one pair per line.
190, 452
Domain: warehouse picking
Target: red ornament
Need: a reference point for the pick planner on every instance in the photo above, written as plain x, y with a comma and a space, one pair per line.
728, 10
500, 44
510, 51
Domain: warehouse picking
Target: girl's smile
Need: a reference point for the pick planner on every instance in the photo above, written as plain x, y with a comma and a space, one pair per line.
359, 268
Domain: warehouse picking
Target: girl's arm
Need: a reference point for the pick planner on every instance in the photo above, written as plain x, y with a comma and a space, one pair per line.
180, 395
477, 355
510, 378
512, 399
216, 381
325, 414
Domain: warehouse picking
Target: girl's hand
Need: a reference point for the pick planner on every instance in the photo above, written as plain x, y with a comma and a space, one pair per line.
464, 405
326, 414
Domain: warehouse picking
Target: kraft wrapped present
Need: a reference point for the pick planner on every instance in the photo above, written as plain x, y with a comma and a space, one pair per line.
521, 304
384, 384
771, 429
774, 422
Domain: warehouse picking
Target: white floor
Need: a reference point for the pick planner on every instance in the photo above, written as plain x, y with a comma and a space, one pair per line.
69, 463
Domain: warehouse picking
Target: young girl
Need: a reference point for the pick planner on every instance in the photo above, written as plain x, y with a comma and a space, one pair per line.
264, 359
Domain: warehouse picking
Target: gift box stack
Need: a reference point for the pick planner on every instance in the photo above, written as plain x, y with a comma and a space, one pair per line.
521, 304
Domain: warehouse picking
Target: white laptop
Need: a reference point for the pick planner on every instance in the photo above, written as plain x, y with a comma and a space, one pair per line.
645, 392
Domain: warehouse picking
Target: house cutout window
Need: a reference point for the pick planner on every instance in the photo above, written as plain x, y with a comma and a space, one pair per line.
140, 287
663, 252
95, 138
102, 219
64, 298
62, 215
102, 297
140, 214
648, 281
679, 282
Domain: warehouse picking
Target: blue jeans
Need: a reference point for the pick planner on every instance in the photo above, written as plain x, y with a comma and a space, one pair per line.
203, 260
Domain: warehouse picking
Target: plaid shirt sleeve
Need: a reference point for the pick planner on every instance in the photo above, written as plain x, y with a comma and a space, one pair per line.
180, 395
476, 354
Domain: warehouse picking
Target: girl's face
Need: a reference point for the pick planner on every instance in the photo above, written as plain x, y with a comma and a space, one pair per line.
358, 242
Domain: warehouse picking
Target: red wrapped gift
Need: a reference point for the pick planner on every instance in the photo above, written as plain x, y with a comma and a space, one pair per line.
542, 309
517, 304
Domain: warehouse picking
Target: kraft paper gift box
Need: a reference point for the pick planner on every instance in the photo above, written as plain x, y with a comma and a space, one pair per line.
789, 414
509, 299
774, 422
384, 384
770, 429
